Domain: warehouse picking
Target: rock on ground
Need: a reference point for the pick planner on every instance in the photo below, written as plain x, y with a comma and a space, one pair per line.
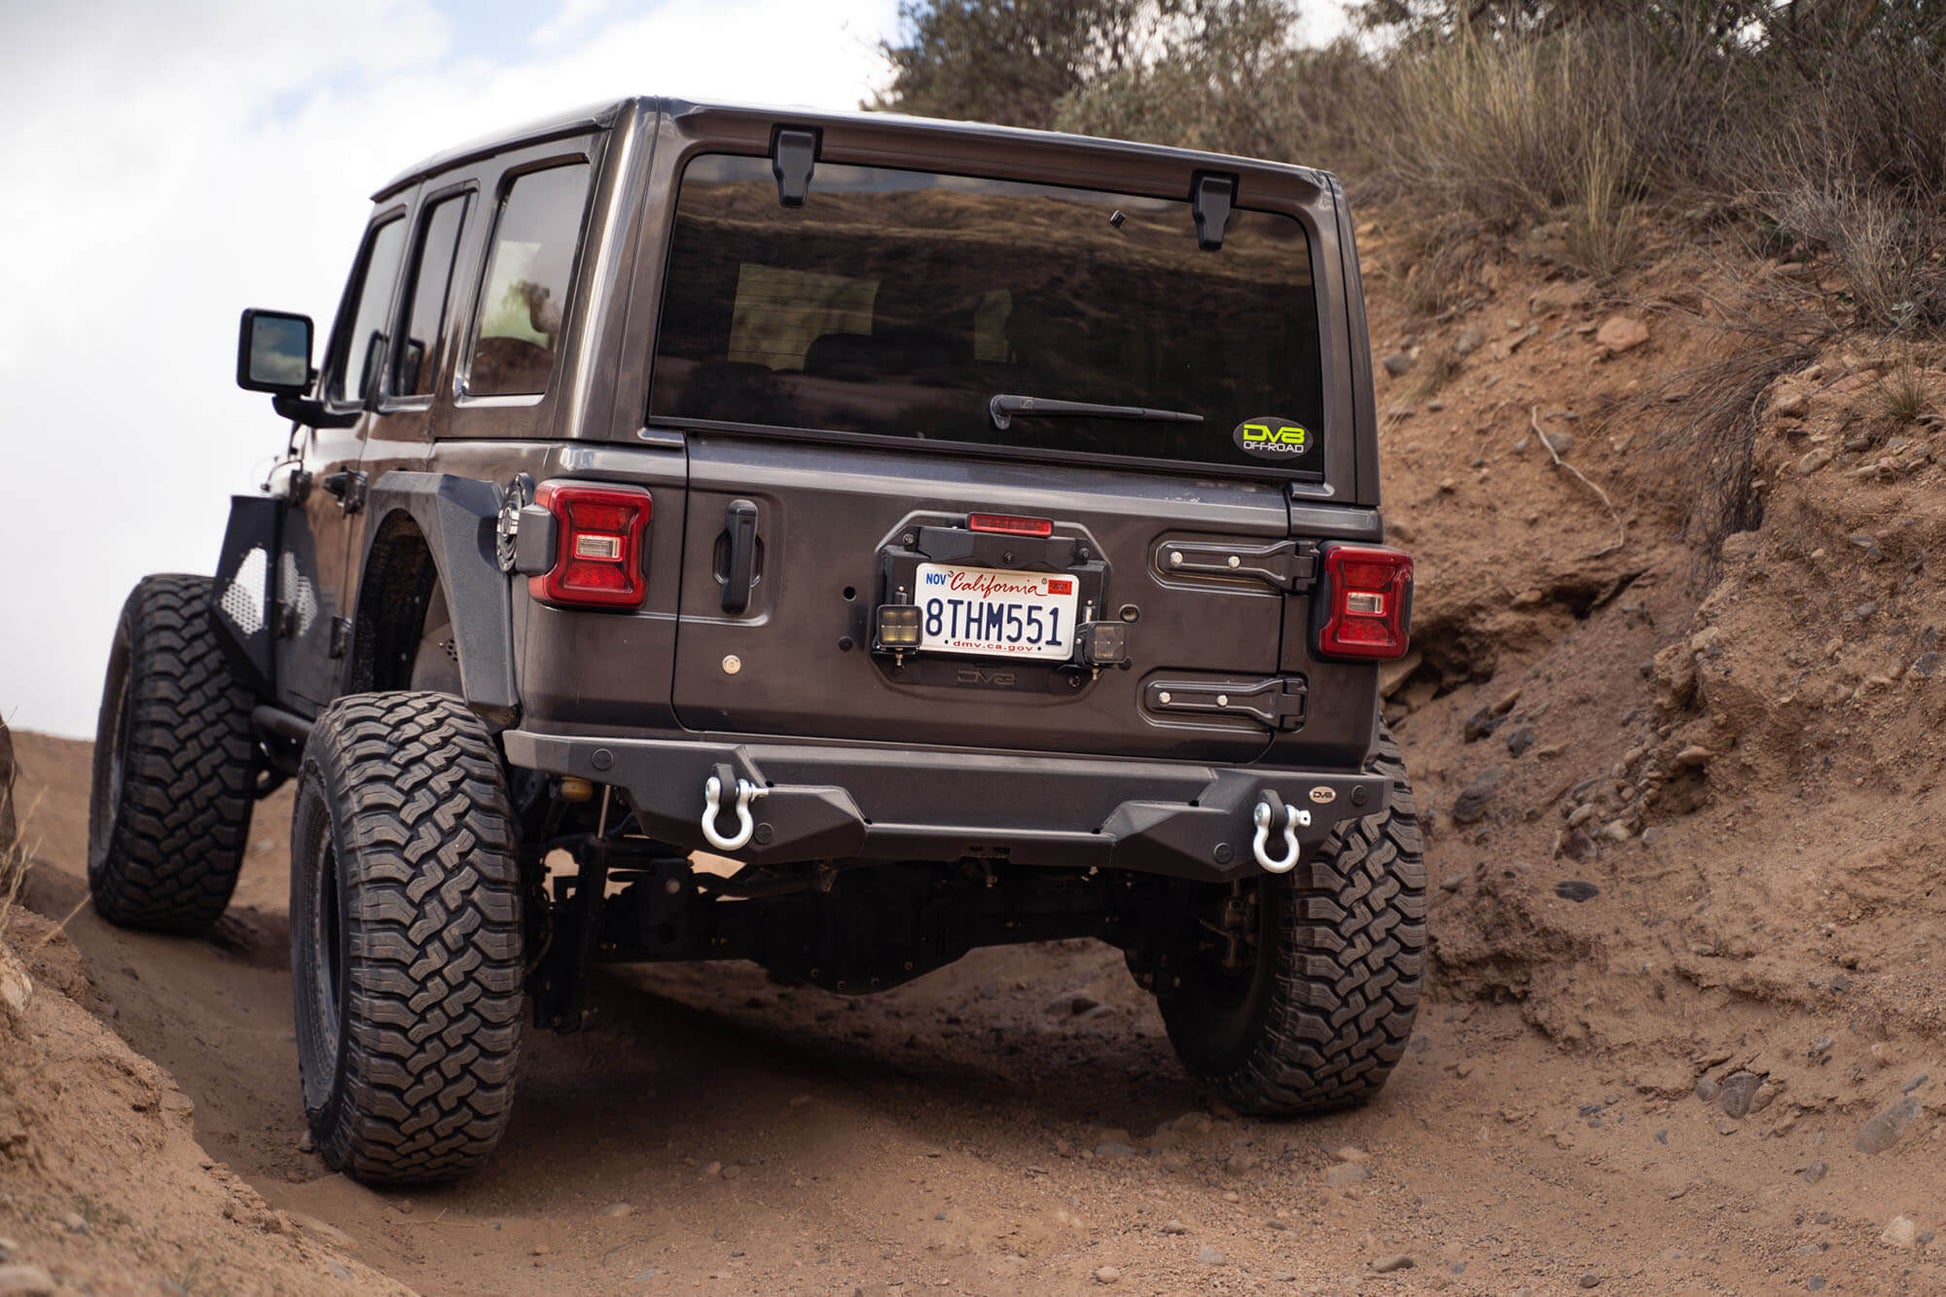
1882, 1129
1621, 333
1471, 804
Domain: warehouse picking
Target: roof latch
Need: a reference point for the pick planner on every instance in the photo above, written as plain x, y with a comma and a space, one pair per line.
793, 154
1211, 198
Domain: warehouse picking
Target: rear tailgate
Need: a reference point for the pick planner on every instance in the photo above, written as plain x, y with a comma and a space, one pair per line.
835, 528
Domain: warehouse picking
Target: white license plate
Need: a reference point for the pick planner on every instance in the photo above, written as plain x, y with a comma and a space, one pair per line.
995, 614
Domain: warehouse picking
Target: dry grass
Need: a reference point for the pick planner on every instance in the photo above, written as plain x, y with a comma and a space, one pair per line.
1821, 127
1829, 141
1886, 248
1838, 148
1709, 440
1903, 390
1495, 129
14, 860
1521, 132
1604, 231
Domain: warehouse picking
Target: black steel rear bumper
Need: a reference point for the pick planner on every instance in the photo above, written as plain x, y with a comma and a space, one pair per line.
817, 802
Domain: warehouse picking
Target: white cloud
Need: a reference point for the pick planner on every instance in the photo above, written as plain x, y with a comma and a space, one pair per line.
574, 17
166, 165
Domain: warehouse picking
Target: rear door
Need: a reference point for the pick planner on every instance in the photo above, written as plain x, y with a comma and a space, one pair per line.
1081, 580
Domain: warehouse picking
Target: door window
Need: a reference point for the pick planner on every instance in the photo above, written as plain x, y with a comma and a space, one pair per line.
425, 321
359, 354
532, 264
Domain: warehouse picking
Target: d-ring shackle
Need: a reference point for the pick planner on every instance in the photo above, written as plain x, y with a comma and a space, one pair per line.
1261, 843
747, 792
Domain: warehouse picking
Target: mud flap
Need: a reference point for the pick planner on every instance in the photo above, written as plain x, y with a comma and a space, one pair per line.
243, 608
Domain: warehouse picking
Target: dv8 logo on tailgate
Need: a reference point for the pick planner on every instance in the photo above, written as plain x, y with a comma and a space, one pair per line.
1275, 438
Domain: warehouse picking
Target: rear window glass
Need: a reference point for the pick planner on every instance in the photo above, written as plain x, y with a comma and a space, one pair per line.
901, 303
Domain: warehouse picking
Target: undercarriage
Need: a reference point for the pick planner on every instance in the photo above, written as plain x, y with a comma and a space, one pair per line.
848, 927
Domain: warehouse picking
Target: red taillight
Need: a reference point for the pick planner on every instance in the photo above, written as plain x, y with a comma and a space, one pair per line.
1008, 525
1366, 595
598, 535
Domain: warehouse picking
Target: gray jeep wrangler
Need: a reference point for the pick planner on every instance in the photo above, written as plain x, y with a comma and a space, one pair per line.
834, 542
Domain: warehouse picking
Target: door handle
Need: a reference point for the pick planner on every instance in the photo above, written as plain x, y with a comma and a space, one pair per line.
740, 520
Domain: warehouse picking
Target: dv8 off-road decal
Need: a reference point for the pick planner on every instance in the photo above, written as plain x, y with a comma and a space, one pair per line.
1271, 437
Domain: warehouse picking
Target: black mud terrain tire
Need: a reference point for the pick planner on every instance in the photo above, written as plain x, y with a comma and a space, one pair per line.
1324, 1008
405, 938
175, 766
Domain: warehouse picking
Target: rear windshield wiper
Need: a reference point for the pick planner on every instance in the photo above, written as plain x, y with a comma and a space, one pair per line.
1004, 408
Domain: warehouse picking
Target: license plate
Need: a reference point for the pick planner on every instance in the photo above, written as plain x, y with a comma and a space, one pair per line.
996, 614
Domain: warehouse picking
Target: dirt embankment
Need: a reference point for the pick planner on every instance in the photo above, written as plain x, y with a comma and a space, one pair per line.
104, 1188
1684, 1029
103, 1184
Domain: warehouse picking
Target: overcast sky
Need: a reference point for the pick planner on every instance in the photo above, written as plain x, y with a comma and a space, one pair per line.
163, 166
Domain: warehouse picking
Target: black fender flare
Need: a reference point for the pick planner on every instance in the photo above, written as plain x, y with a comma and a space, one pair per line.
457, 517
244, 598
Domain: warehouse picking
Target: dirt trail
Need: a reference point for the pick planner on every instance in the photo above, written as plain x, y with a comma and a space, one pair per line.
971, 1133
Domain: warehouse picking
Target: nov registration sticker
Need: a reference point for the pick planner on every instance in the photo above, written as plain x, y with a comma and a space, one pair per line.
991, 613
1278, 440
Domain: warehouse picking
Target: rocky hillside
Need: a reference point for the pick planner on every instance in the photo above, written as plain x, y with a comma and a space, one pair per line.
1677, 684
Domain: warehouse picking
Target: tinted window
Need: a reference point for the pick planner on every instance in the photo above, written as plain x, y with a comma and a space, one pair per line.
360, 353
521, 308
425, 317
900, 303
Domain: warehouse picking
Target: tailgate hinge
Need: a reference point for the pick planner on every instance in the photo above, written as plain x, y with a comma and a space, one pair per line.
1282, 564
1277, 702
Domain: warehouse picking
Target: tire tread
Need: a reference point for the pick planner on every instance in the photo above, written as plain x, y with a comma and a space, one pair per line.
429, 857
1350, 949
171, 851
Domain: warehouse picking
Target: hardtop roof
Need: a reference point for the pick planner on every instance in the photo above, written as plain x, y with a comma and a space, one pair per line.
592, 118
604, 115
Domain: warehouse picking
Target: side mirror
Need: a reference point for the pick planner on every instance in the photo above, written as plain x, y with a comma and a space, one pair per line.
273, 353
